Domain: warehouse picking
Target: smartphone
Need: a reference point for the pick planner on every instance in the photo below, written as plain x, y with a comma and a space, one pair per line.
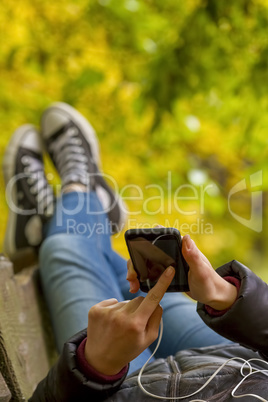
152, 251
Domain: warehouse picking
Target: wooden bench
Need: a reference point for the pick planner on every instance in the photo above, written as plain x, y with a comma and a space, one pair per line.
27, 347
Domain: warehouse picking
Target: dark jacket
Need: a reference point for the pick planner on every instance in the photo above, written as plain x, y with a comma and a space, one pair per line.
246, 323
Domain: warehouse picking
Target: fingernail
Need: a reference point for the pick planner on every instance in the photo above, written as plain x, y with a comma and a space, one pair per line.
189, 242
131, 287
169, 271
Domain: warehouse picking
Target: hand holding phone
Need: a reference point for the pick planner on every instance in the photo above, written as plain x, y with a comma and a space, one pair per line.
152, 251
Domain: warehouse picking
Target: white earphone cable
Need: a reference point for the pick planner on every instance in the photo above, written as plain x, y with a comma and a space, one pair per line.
252, 371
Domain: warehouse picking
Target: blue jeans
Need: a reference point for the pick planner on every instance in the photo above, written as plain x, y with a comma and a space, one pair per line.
79, 268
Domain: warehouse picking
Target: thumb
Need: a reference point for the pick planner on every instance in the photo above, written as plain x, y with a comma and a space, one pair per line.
192, 254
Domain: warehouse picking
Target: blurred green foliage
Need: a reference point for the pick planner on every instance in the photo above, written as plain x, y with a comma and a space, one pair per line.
177, 92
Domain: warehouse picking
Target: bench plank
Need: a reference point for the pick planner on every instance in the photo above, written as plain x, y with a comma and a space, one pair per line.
26, 349
5, 394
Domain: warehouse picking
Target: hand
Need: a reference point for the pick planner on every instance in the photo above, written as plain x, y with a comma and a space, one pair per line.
119, 331
206, 286
132, 277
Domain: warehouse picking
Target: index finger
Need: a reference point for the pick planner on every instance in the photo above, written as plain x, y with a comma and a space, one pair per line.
154, 296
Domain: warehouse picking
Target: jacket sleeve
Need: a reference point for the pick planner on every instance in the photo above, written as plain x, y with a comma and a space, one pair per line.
246, 322
65, 383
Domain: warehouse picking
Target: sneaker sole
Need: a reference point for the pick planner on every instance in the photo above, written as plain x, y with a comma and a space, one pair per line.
84, 126
9, 163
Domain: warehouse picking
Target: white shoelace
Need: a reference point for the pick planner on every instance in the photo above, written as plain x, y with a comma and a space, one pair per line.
70, 158
39, 188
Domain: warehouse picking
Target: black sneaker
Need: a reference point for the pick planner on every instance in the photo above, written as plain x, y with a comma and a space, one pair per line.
73, 147
29, 197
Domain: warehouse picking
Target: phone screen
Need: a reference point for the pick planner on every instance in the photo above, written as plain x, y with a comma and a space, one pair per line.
151, 254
